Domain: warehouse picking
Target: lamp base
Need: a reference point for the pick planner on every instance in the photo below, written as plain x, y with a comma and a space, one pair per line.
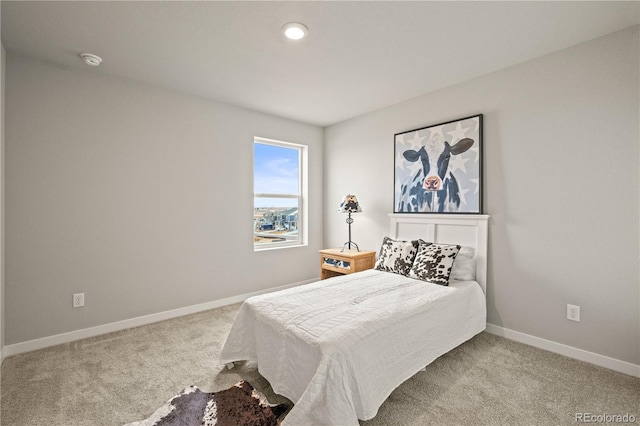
350, 243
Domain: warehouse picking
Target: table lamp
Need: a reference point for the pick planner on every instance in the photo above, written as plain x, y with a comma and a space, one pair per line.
349, 205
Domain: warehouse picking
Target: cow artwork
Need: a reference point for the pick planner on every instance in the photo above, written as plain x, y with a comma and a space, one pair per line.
428, 161
434, 188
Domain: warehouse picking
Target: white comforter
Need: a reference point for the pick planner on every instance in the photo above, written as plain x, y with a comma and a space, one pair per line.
339, 347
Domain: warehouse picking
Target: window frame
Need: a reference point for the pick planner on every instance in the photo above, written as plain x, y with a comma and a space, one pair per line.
301, 196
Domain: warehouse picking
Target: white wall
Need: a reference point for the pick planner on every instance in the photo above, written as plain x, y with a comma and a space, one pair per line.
137, 196
561, 139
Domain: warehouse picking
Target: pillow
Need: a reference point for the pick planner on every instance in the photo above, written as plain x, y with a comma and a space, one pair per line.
433, 262
396, 256
464, 267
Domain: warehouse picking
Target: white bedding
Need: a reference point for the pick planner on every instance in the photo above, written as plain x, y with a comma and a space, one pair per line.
337, 348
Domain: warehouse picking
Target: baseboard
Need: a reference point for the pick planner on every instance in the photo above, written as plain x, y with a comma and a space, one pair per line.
569, 351
559, 348
72, 336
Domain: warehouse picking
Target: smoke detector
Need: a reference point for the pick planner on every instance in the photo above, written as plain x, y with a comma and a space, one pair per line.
91, 59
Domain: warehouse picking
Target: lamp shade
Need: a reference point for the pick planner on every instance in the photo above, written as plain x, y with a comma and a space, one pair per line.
349, 205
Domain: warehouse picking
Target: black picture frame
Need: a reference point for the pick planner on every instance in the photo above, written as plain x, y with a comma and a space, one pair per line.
438, 168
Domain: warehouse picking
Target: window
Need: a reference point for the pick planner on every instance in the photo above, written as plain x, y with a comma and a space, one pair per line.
278, 191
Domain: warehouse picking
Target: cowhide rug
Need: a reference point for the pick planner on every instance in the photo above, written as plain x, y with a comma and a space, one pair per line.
239, 405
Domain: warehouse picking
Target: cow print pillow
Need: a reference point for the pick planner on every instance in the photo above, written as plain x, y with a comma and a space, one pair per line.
433, 262
396, 256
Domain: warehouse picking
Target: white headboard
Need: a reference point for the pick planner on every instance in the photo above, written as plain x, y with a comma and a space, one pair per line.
469, 230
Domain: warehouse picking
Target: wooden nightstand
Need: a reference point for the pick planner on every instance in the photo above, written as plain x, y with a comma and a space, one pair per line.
334, 262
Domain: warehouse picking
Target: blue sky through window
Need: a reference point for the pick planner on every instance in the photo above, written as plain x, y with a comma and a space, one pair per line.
276, 170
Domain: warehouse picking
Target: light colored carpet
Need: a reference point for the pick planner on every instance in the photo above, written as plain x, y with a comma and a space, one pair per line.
125, 376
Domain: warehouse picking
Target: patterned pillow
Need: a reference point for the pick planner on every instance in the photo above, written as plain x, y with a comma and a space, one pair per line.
433, 262
396, 256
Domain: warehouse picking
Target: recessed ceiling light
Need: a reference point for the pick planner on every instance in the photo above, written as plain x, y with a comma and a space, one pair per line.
294, 31
91, 59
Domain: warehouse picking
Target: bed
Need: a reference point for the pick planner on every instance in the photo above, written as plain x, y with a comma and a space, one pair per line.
337, 348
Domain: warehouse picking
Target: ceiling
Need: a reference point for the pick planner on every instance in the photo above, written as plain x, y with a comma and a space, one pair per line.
358, 57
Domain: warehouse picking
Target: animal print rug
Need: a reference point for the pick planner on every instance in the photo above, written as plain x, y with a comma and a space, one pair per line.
239, 405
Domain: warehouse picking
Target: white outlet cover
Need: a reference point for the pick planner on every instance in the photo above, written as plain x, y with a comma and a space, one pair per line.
78, 300
573, 313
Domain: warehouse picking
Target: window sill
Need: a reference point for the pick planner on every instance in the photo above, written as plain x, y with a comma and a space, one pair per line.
279, 247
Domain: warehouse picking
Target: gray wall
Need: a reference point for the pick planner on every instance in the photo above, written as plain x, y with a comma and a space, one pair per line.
139, 197
561, 141
2, 84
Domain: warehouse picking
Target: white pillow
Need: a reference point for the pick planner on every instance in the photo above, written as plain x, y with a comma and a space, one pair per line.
464, 266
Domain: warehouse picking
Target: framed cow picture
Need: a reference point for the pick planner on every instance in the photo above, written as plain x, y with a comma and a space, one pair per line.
438, 169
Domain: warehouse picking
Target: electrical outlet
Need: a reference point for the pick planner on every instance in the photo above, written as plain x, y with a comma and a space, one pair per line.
78, 300
573, 313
